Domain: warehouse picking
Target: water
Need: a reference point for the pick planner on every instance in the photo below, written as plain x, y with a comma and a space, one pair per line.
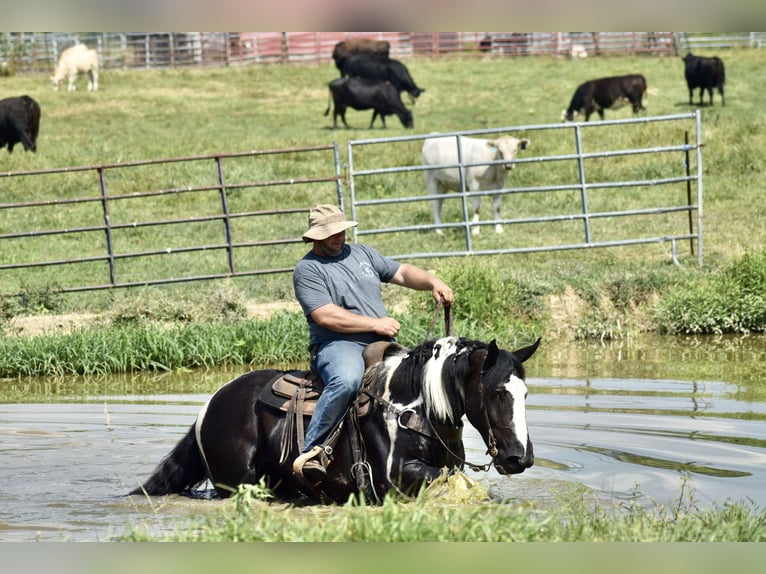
653, 422
641, 439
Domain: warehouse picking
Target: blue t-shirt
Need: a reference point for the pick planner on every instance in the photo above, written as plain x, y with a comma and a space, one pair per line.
352, 281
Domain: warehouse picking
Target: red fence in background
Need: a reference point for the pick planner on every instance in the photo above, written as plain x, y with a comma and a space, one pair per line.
38, 52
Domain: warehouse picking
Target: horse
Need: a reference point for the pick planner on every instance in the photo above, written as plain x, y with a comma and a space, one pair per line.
403, 429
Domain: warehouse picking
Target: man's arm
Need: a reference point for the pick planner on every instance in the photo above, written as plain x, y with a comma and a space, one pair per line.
340, 320
415, 278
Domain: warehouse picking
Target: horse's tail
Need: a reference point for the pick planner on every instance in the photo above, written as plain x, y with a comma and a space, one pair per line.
182, 469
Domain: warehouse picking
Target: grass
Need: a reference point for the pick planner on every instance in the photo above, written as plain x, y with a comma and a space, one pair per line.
452, 512
141, 115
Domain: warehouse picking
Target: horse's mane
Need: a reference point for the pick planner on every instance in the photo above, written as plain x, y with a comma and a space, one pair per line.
436, 370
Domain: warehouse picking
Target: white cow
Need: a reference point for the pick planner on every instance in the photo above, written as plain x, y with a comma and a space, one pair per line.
443, 150
78, 58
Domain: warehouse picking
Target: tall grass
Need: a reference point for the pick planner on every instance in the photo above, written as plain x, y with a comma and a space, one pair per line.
731, 301
156, 347
468, 517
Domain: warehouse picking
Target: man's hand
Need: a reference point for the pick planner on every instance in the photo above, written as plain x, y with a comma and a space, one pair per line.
387, 326
442, 293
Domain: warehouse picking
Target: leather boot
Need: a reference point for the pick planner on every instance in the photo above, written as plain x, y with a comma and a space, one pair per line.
312, 465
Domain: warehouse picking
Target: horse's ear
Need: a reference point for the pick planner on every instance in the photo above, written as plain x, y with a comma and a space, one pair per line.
524, 353
491, 358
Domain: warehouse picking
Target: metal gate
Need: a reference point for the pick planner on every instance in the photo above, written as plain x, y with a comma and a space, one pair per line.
121, 225
574, 190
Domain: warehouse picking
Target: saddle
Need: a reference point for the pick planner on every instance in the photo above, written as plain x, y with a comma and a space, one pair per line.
296, 393
299, 391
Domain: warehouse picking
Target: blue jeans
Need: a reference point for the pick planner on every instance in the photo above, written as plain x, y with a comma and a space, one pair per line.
341, 367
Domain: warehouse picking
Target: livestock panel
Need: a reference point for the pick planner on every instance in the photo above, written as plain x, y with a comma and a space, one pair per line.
162, 221
578, 186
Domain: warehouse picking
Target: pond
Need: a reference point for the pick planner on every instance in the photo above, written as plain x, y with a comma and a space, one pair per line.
654, 420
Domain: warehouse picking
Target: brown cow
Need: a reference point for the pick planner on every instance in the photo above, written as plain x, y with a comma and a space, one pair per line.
347, 48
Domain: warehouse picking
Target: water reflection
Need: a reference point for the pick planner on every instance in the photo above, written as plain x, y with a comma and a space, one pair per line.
624, 422
615, 420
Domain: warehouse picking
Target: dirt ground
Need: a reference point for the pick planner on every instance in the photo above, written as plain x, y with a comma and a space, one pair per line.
564, 311
30, 326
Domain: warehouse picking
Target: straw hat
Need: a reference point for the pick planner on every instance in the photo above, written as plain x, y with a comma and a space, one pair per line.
325, 221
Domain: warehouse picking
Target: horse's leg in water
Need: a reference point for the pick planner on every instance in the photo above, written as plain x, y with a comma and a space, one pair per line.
228, 434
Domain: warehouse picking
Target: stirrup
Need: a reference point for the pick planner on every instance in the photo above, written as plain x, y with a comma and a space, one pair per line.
312, 465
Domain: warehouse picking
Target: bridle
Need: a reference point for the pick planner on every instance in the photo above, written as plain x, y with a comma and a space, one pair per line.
425, 426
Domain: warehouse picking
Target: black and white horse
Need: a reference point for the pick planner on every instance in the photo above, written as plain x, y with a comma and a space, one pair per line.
416, 399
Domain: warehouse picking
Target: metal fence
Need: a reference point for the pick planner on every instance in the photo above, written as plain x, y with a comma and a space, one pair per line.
114, 225
691, 42
38, 52
596, 197
122, 225
25, 52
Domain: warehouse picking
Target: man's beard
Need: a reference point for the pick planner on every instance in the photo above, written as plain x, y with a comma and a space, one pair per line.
329, 251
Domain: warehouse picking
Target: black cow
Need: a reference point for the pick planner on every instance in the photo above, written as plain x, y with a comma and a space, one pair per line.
365, 94
347, 48
604, 93
381, 68
705, 74
19, 122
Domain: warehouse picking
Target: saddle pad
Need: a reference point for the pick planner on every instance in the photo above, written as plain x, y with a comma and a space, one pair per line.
284, 387
287, 385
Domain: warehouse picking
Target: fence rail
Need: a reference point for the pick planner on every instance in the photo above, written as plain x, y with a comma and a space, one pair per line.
220, 219
544, 201
112, 226
36, 52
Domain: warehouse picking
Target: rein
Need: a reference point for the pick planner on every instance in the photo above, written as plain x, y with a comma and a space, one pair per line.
422, 429
425, 426
449, 329
449, 324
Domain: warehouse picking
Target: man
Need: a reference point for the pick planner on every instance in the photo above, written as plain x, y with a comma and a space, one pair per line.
339, 288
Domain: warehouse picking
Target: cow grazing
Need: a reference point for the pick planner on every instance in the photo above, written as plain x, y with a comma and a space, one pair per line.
604, 93
365, 94
19, 123
77, 59
353, 46
381, 68
705, 74
443, 151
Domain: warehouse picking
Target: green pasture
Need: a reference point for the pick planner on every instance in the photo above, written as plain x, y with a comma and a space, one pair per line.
145, 115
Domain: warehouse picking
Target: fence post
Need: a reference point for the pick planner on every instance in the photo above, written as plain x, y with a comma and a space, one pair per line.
688, 189
583, 191
107, 226
698, 120
226, 217
463, 191
285, 49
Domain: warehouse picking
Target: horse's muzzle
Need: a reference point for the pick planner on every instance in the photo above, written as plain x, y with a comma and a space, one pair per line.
516, 464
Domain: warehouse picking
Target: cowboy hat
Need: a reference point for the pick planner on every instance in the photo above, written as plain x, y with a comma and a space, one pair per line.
325, 221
